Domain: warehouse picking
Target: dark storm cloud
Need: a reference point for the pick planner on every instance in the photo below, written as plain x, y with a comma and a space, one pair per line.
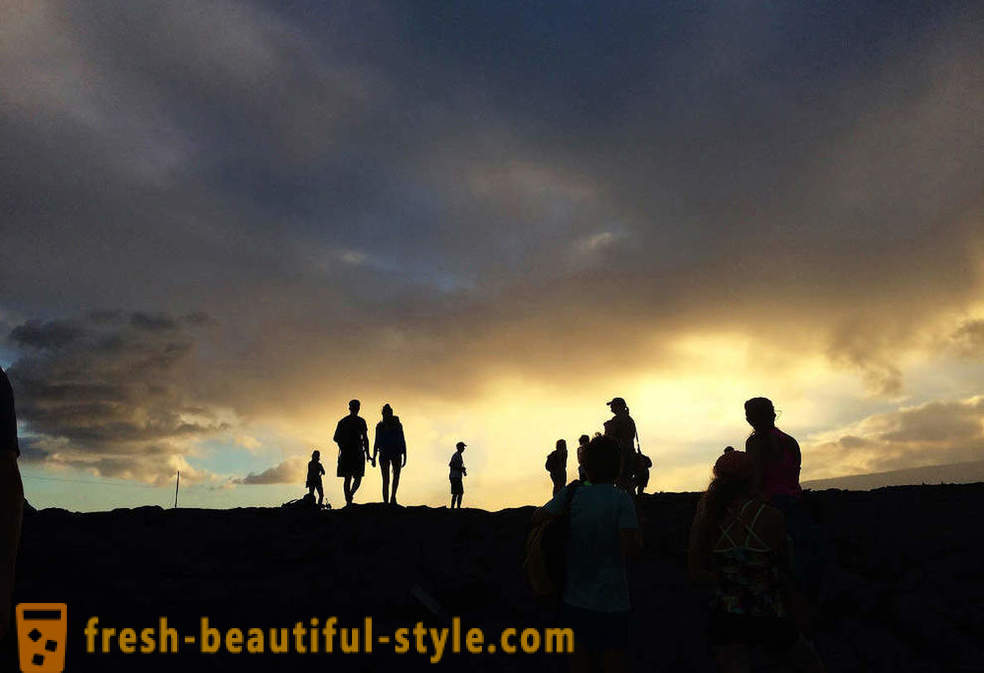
424, 196
116, 393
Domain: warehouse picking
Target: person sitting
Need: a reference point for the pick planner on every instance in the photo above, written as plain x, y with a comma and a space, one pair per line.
604, 532
738, 547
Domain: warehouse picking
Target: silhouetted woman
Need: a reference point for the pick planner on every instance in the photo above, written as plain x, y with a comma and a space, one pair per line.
557, 465
738, 547
604, 530
392, 448
776, 459
315, 470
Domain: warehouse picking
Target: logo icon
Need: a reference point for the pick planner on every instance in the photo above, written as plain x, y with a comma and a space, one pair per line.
41, 636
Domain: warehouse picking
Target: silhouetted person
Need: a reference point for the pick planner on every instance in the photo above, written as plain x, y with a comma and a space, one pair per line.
392, 450
622, 428
556, 465
641, 472
352, 437
458, 471
315, 470
776, 460
11, 499
738, 547
582, 442
604, 531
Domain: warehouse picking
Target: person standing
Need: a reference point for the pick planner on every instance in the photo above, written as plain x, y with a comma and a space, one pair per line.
582, 442
352, 437
557, 465
11, 499
622, 429
603, 534
315, 470
458, 471
391, 446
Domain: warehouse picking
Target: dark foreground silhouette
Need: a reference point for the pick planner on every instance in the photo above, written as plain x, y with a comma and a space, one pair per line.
904, 592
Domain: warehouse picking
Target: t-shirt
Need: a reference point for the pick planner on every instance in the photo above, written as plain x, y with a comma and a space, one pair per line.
315, 470
8, 418
596, 578
557, 462
389, 439
350, 432
457, 466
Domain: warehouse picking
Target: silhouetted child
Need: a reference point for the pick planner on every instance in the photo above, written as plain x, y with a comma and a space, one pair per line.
458, 471
643, 463
315, 470
603, 532
582, 442
556, 465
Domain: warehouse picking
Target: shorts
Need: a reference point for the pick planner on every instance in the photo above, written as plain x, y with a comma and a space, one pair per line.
594, 630
395, 460
351, 463
777, 634
457, 488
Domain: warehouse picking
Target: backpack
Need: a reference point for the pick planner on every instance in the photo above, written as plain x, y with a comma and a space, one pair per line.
546, 552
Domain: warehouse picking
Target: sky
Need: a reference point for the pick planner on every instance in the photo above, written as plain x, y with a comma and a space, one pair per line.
221, 220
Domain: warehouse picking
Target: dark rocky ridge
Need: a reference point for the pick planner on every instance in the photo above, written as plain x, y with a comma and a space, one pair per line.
904, 593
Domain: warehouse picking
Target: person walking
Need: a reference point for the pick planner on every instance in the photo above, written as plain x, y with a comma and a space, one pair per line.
457, 471
352, 437
391, 447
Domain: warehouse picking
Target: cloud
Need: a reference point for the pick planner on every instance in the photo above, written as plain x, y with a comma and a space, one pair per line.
110, 392
291, 471
933, 433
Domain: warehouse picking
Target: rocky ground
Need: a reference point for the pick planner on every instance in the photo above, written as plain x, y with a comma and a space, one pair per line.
904, 591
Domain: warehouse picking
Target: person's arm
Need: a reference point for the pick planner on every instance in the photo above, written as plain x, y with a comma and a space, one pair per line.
403, 447
753, 447
375, 443
365, 439
322, 468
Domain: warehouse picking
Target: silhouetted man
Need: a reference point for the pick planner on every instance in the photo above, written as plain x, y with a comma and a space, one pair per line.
391, 446
557, 465
458, 471
11, 499
622, 429
352, 437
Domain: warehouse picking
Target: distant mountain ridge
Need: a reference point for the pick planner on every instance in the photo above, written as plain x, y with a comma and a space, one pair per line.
952, 473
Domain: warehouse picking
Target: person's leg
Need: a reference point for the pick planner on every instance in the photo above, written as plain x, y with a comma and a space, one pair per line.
384, 470
321, 494
396, 479
311, 490
11, 512
346, 488
356, 481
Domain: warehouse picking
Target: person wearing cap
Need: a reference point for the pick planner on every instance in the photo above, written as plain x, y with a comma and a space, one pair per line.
458, 471
622, 429
352, 437
738, 547
391, 447
11, 499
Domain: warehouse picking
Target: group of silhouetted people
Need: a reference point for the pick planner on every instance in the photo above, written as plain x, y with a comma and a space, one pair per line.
389, 448
748, 523
633, 471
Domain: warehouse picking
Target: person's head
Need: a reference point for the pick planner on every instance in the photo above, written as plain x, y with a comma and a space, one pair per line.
387, 411
315, 455
733, 472
460, 446
562, 445
354, 406
583, 440
760, 413
600, 459
618, 405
